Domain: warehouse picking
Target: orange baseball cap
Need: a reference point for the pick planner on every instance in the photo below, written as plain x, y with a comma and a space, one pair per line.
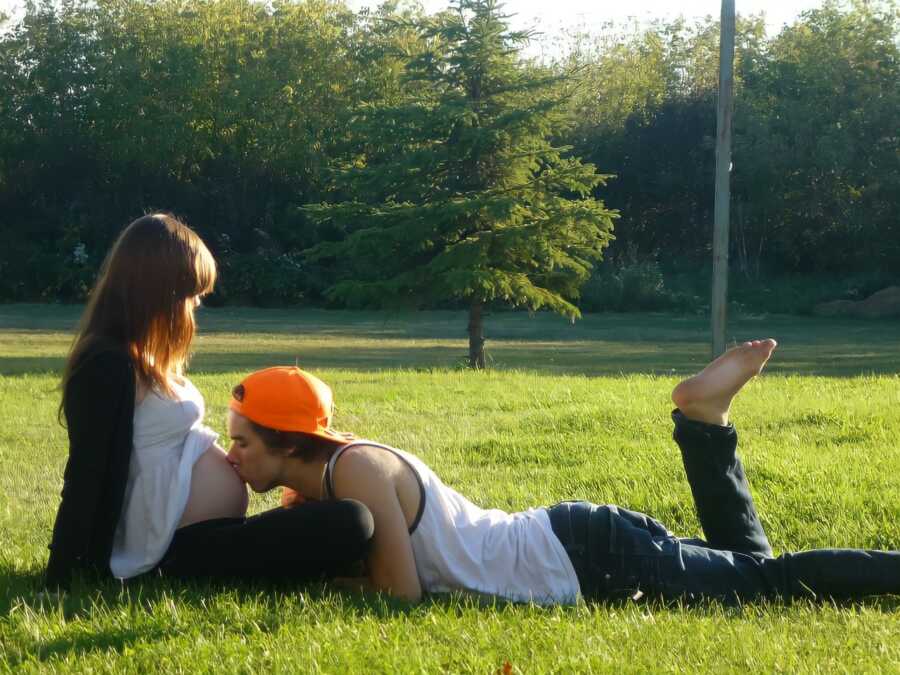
287, 398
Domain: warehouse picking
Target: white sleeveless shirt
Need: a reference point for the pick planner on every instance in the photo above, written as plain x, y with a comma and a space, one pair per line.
459, 546
169, 437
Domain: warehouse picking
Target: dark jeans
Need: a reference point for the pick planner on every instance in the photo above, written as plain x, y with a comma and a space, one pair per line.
619, 553
312, 540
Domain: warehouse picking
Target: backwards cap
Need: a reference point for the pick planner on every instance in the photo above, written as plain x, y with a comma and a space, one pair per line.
286, 398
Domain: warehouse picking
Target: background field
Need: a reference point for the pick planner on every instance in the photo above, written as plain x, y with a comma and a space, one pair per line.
567, 412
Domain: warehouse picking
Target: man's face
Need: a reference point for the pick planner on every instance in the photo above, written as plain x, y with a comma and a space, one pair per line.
256, 464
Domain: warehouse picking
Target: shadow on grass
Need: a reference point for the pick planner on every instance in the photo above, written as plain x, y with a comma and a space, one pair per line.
100, 640
36, 338
146, 593
592, 360
25, 591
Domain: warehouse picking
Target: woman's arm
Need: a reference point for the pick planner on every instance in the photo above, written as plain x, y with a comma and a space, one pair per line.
391, 562
99, 398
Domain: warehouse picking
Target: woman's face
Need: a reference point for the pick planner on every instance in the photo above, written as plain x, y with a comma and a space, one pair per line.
254, 462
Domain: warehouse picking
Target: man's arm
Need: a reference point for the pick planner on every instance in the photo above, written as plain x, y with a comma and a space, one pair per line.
391, 563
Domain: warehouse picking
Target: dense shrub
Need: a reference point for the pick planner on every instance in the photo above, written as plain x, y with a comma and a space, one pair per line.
263, 278
800, 295
634, 287
233, 113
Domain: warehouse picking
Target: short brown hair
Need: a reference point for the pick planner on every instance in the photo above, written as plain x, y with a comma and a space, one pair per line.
306, 447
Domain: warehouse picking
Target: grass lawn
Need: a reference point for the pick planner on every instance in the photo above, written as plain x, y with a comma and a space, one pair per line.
567, 412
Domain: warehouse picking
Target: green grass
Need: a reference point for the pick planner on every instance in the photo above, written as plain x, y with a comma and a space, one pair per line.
568, 412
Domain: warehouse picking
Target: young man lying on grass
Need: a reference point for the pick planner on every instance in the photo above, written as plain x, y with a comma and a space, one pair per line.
429, 538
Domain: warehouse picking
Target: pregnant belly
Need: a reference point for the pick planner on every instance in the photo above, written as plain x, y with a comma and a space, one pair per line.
216, 490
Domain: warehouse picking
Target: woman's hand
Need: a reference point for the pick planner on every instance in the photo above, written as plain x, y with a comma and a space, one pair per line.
291, 497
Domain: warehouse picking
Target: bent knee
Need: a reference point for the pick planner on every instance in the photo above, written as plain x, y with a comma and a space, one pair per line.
356, 522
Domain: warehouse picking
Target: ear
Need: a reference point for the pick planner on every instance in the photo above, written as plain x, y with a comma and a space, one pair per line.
288, 452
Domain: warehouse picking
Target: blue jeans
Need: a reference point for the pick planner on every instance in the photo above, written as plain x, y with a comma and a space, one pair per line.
619, 553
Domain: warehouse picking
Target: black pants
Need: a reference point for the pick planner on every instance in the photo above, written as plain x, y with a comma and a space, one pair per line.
310, 541
619, 553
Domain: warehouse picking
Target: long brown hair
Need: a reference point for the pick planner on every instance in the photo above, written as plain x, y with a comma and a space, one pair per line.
141, 299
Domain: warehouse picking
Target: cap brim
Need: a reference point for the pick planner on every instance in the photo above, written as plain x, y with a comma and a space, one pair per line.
333, 435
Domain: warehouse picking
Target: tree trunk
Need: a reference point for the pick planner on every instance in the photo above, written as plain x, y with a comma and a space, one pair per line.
476, 337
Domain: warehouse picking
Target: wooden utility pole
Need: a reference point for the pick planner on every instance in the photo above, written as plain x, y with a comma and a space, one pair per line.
721, 223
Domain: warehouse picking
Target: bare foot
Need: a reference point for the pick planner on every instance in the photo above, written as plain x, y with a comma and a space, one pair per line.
707, 396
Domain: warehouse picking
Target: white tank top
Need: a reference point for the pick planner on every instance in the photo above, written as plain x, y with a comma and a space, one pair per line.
459, 546
169, 437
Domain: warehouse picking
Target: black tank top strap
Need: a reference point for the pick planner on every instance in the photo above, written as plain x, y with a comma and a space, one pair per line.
329, 469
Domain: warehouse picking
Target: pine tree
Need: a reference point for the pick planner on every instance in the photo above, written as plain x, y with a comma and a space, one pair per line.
457, 191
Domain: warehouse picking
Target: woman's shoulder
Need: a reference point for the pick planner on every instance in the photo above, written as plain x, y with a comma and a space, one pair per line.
101, 379
102, 359
100, 346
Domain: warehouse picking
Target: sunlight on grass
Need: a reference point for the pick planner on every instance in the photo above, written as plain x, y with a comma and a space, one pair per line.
580, 414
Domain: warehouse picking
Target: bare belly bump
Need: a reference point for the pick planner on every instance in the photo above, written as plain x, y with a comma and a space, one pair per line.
216, 490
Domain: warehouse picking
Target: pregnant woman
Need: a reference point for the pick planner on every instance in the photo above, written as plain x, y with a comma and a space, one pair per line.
146, 486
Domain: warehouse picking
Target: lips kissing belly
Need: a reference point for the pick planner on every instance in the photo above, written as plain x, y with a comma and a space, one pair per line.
216, 490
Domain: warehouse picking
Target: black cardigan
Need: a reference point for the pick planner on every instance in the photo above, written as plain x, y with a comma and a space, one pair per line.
99, 414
